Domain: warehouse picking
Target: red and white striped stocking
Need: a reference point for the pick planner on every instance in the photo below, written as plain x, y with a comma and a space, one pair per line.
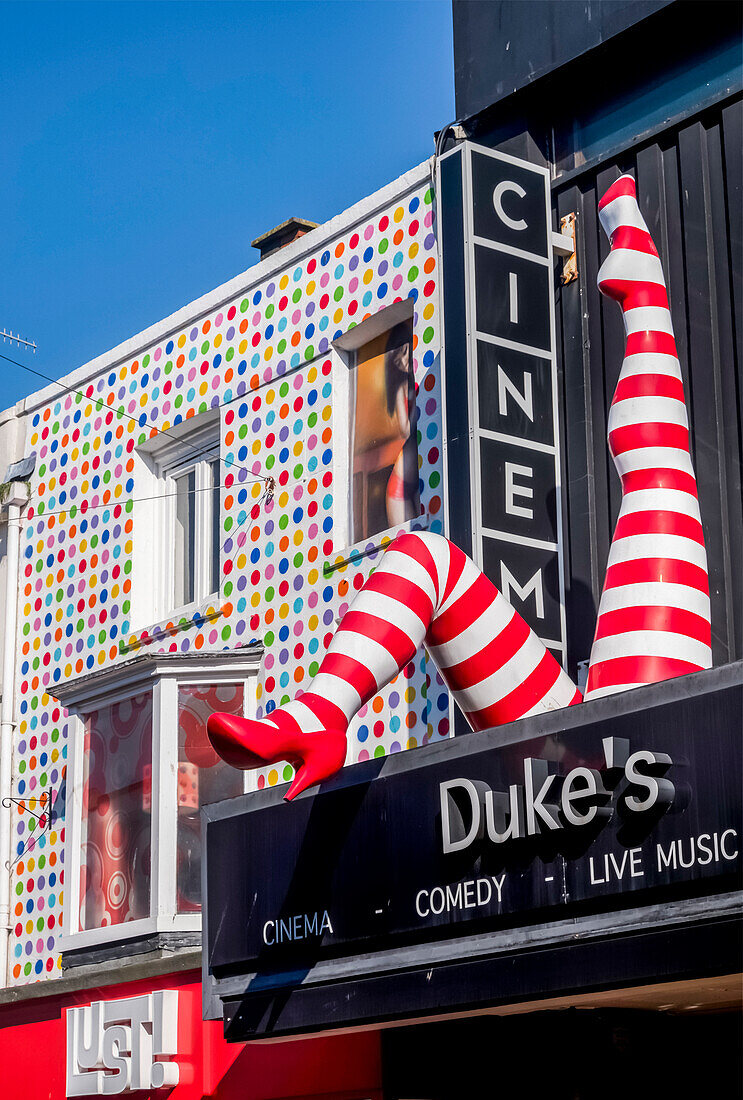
654, 614
427, 590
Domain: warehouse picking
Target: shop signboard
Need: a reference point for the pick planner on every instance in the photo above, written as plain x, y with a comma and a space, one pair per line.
629, 800
502, 425
124, 1045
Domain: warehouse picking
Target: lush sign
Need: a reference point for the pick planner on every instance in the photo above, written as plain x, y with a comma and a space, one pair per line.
122, 1046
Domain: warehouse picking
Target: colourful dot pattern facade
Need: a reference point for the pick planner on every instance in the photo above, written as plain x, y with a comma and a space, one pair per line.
265, 358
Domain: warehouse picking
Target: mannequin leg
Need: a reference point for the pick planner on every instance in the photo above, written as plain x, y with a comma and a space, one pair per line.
654, 614
424, 590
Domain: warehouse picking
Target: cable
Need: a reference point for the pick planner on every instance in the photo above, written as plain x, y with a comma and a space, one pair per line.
135, 500
95, 400
267, 495
160, 633
213, 448
439, 145
119, 411
267, 479
210, 448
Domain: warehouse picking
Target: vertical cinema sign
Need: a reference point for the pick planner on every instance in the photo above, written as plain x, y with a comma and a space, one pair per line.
501, 430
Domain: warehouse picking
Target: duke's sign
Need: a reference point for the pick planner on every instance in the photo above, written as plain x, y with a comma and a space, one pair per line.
583, 797
566, 813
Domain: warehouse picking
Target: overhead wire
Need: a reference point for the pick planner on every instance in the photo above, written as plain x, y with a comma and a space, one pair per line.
211, 448
255, 508
252, 512
119, 412
78, 508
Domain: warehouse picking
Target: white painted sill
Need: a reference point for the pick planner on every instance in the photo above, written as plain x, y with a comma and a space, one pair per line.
351, 555
119, 934
208, 610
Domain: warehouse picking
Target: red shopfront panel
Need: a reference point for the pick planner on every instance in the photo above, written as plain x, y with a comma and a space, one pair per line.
344, 1067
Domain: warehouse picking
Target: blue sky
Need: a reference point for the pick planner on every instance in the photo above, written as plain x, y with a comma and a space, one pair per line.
146, 144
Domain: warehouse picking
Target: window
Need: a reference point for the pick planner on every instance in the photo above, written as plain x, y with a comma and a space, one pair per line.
116, 813
140, 769
383, 455
177, 521
203, 777
194, 487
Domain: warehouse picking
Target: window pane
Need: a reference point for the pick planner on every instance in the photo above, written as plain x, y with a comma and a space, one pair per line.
202, 778
384, 475
184, 539
214, 577
117, 804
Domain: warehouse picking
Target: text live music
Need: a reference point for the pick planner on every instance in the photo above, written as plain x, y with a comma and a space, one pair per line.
630, 783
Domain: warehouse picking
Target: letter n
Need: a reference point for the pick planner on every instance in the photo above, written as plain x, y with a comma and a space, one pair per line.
506, 386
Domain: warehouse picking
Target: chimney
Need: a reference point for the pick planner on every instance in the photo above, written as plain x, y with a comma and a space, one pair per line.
282, 235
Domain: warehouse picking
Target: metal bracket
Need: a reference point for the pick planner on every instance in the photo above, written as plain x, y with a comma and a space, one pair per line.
44, 818
563, 244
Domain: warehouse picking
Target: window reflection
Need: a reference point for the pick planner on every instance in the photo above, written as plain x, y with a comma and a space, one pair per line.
614, 117
117, 804
202, 778
385, 448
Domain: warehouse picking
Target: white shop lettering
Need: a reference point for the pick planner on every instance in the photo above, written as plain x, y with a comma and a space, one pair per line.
302, 926
698, 851
471, 893
131, 1037
545, 802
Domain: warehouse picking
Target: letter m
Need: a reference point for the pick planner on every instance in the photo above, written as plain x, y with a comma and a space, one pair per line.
667, 861
533, 585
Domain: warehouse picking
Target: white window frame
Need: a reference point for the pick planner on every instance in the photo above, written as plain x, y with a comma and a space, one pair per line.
160, 674
345, 350
192, 446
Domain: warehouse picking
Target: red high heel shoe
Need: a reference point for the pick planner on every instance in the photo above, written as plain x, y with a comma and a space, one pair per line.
246, 743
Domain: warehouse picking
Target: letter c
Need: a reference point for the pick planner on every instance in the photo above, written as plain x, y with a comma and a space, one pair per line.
498, 193
727, 833
418, 896
266, 926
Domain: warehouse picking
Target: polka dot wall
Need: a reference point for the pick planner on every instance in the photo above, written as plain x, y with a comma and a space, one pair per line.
266, 359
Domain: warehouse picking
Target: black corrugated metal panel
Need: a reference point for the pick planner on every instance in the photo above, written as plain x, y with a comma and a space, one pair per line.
691, 194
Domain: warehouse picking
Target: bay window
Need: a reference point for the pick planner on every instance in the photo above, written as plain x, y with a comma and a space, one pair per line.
203, 777
139, 771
